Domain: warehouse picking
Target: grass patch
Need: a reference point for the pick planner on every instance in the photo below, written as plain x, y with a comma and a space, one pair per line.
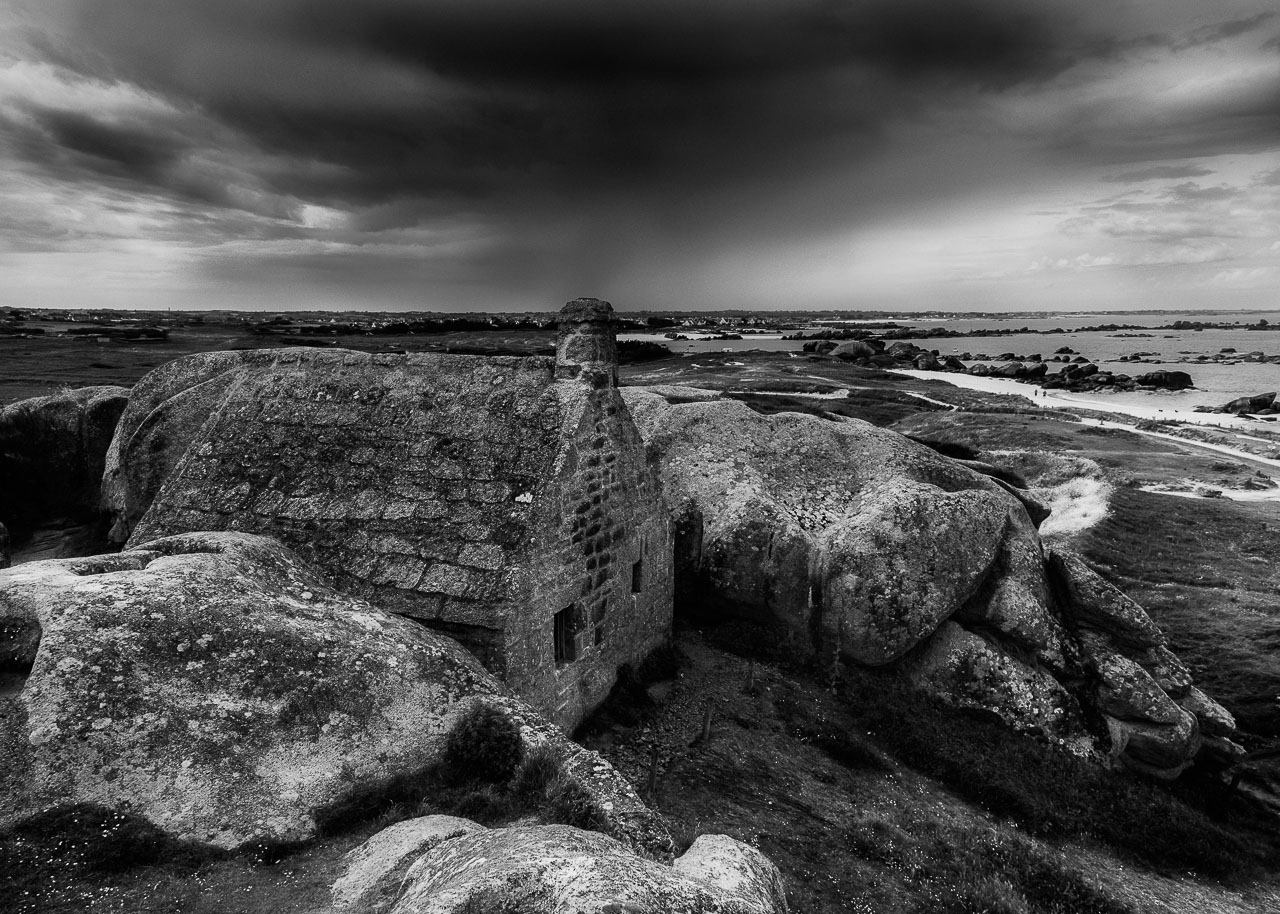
964, 870
879, 407
48, 859
1049, 793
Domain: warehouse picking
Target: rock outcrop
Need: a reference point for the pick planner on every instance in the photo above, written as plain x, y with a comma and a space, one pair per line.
52, 453
549, 870
1258, 405
213, 684
862, 546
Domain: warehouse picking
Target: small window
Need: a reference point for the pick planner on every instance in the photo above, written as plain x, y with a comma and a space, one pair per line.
637, 576
566, 631
597, 619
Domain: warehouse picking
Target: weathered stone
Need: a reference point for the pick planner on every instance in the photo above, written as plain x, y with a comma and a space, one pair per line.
736, 869
890, 536
1214, 719
1015, 599
894, 540
910, 560
215, 685
166, 411
1160, 750
506, 501
967, 671
1092, 601
560, 870
52, 451
1127, 692
376, 869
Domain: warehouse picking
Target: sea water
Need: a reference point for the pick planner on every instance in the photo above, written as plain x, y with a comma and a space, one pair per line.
1215, 384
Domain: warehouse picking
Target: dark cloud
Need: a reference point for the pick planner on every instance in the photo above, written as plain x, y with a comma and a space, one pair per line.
1159, 172
501, 101
1222, 31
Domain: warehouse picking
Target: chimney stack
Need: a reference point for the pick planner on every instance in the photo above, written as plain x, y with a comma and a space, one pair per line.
587, 347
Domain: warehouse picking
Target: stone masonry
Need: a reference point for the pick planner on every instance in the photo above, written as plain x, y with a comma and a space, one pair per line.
506, 501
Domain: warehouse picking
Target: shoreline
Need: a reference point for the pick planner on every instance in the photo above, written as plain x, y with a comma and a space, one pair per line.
1057, 400
1053, 399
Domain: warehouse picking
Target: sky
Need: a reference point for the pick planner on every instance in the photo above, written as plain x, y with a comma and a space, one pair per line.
461, 155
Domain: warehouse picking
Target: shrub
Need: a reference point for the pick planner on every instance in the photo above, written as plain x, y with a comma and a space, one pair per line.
483, 745
539, 768
570, 804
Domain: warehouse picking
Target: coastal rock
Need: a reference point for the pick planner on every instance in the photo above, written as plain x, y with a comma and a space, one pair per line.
1015, 599
1256, 404
1101, 605
1213, 718
215, 685
968, 671
376, 869
868, 548
1167, 380
560, 870
1127, 691
52, 453
892, 573
845, 531
852, 350
1163, 751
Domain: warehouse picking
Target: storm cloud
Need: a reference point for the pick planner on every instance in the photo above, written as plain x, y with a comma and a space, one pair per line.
484, 153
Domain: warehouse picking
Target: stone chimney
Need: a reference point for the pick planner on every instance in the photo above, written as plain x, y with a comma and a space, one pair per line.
587, 347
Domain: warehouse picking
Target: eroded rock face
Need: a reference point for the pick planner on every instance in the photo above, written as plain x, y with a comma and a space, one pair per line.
213, 684
166, 410
52, 453
552, 869
863, 546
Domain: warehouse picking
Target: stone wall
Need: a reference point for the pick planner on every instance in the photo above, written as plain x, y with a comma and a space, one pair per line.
603, 554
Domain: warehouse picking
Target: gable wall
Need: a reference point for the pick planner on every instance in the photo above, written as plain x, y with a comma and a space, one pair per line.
602, 513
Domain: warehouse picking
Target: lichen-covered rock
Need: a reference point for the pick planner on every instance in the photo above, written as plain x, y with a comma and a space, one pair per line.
1161, 750
1102, 606
1127, 691
970, 672
910, 559
843, 530
376, 869
52, 452
561, 870
1016, 600
1214, 719
214, 684
867, 547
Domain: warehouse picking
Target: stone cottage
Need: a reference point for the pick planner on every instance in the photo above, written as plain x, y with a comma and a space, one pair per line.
505, 501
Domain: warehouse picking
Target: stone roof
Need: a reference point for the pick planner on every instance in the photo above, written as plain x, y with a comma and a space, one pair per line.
412, 476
